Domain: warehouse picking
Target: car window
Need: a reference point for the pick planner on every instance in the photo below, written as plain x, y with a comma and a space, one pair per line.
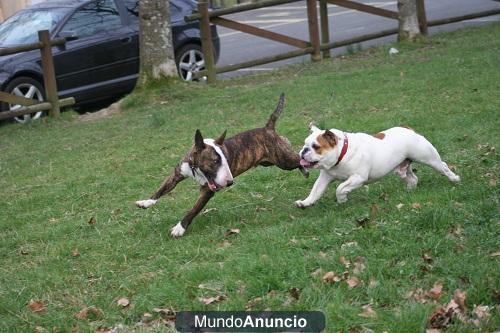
22, 27
98, 16
133, 10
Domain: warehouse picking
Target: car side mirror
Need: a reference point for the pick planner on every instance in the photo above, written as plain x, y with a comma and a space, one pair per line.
68, 35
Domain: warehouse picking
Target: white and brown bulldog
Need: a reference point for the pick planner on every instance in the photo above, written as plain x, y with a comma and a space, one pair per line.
213, 164
359, 158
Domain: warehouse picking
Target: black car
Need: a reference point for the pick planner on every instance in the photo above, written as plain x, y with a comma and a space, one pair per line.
101, 55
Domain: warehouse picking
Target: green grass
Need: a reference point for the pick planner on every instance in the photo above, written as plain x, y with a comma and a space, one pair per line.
57, 174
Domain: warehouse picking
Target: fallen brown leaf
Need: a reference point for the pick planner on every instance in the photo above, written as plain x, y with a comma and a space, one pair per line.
367, 311
399, 206
230, 232
75, 253
328, 277
373, 283
427, 257
344, 262
212, 300
432, 330
36, 305
436, 291
295, 293
224, 244
359, 265
253, 302
317, 272
481, 312
353, 282
322, 254
167, 313
495, 254
92, 220
123, 302
459, 298
416, 205
88, 312
363, 222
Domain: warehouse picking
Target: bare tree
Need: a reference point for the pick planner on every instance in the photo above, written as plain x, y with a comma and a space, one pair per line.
156, 47
408, 20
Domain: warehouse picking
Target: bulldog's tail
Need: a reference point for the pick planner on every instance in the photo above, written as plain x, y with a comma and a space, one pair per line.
272, 120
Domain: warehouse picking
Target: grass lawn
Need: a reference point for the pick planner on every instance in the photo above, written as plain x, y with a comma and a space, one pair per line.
57, 175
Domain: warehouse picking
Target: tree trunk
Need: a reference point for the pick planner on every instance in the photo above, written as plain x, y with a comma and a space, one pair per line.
408, 20
156, 53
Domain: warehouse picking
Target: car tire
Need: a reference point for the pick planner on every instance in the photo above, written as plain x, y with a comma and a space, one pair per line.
189, 60
25, 87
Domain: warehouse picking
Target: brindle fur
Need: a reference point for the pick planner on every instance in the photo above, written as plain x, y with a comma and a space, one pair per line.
260, 146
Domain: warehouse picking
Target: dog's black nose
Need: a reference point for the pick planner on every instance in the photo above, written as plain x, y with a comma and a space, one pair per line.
229, 183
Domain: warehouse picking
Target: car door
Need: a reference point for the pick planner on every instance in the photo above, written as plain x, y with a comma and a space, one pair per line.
95, 60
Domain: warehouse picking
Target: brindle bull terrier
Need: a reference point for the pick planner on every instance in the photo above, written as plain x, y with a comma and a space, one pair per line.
214, 163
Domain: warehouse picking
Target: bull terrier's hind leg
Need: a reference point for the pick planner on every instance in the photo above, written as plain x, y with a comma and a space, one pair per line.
168, 185
287, 159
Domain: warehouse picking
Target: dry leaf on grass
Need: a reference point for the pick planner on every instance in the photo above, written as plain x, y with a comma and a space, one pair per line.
230, 232
253, 302
85, 313
353, 282
344, 262
416, 205
359, 265
367, 311
436, 291
167, 313
443, 316
36, 305
349, 244
331, 277
322, 254
495, 254
295, 293
212, 300
399, 206
123, 302
224, 244
426, 255
92, 220
75, 253
317, 272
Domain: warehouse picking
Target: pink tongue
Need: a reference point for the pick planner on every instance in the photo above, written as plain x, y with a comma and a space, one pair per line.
304, 163
212, 186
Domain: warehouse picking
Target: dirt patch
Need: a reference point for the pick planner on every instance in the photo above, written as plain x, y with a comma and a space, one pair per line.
111, 110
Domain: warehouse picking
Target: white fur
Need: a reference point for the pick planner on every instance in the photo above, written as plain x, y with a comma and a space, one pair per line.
224, 174
145, 203
368, 159
177, 230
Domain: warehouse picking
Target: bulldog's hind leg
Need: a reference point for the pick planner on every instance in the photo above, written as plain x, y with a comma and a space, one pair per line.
428, 155
168, 185
405, 171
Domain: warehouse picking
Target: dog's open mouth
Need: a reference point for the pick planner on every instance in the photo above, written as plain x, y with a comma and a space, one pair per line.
213, 186
307, 164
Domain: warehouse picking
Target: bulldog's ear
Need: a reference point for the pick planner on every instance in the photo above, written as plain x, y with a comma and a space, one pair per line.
220, 139
330, 138
312, 127
198, 141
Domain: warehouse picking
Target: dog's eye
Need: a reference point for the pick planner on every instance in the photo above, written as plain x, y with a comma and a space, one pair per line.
315, 146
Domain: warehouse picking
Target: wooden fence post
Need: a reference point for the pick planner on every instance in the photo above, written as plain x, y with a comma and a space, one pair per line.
206, 41
422, 18
325, 32
312, 19
49, 75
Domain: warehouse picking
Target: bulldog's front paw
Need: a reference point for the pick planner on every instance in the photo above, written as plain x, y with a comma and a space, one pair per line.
302, 204
145, 203
178, 230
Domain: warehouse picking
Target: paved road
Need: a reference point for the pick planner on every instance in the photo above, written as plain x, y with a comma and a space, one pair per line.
344, 23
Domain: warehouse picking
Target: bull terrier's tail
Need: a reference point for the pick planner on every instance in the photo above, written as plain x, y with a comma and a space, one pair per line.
274, 117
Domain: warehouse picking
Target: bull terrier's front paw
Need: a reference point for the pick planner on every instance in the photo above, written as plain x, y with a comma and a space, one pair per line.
178, 230
145, 203
302, 204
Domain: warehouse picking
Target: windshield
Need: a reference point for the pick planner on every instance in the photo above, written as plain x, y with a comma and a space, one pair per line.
23, 27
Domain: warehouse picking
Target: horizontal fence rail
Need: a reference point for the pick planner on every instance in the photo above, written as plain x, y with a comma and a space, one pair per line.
28, 105
316, 48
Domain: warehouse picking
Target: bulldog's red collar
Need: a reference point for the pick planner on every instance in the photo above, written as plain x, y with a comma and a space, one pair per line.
344, 149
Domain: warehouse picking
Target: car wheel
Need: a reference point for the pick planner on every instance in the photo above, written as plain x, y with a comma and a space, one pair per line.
189, 61
29, 88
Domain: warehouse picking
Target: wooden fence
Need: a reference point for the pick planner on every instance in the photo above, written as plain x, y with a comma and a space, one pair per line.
52, 103
313, 46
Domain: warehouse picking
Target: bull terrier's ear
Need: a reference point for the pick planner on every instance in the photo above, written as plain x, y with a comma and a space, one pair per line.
220, 139
312, 127
198, 140
330, 138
